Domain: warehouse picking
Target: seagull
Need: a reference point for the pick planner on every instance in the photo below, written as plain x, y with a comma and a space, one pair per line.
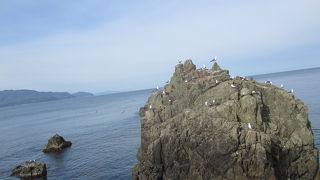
150, 107
249, 126
169, 100
281, 86
163, 92
217, 81
157, 87
253, 92
291, 91
214, 59
214, 101
232, 85
206, 103
186, 81
268, 82
204, 66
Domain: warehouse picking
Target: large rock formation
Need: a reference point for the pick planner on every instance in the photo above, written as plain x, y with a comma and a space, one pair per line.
30, 169
56, 144
207, 125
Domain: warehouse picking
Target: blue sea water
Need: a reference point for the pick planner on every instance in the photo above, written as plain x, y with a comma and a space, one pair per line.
105, 130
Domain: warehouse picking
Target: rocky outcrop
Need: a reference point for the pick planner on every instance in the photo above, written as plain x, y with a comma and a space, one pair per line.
30, 169
56, 144
209, 126
142, 110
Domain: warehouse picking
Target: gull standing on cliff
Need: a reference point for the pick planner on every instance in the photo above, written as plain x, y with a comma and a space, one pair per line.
249, 126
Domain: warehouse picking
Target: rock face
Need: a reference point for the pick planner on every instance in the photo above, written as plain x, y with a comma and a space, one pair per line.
30, 169
216, 127
56, 144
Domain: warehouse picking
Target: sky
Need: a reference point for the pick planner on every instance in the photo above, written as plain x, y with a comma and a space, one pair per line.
122, 45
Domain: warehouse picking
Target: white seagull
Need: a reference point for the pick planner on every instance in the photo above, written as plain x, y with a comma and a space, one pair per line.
150, 107
291, 91
217, 81
157, 87
206, 103
281, 86
214, 101
253, 92
249, 126
232, 85
214, 59
186, 81
163, 92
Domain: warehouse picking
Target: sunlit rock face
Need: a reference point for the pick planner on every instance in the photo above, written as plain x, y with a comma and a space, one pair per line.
206, 125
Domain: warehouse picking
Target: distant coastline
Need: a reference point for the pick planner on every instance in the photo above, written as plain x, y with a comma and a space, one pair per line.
24, 96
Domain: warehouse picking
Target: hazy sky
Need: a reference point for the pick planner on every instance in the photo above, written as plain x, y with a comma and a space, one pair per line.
98, 45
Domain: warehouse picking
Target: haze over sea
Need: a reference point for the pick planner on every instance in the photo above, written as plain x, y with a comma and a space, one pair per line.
105, 130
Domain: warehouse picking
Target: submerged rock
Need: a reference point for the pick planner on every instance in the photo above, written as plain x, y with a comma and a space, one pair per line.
56, 144
217, 127
30, 169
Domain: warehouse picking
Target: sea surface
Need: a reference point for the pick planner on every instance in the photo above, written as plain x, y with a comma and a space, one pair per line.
105, 130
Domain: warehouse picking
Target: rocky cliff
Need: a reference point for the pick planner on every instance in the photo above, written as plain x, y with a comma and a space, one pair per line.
206, 125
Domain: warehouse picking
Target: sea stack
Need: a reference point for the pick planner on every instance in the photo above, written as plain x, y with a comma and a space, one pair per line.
56, 144
188, 140
29, 170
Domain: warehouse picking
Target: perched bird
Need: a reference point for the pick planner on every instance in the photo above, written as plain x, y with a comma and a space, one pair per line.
186, 81
213, 101
268, 82
163, 92
214, 59
232, 85
204, 66
217, 81
150, 107
253, 92
281, 86
291, 91
169, 100
249, 126
157, 87
206, 103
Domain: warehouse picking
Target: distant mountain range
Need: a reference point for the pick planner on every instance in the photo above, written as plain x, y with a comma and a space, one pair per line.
16, 97
107, 92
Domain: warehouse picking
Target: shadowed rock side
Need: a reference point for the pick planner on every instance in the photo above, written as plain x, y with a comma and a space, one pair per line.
29, 170
203, 131
56, 144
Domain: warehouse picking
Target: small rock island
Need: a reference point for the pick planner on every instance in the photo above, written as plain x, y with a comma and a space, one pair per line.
206, 125
30, 169
56, 144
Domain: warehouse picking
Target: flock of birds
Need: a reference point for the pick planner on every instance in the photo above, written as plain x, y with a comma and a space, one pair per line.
214, 102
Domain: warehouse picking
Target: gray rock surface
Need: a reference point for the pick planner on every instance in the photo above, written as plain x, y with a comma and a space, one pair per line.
187, 138
56, 144
29, 170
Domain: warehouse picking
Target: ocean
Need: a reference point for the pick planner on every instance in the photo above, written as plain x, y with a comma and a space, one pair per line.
105, 130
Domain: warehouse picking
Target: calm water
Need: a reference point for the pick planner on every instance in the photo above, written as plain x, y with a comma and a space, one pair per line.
105, 130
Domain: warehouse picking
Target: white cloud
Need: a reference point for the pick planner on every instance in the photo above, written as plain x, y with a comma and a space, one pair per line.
144, 46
